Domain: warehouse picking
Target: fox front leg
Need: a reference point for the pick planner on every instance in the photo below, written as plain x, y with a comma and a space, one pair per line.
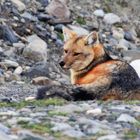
53, 91
67, 93
81, 94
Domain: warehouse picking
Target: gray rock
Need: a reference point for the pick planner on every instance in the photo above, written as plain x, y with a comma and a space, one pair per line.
10, 52
44, 2
58, 27
60, 127
1, 50
96, 111
9, 76
29, 16
4, 129
58, 9
117, 33
27, 135
32, 38
99, 13
136, 108
36, 50
92, 123
128, 36
19, 45
93, 130
38, 114
113, 42
65, 1
2, 79
25, 119
70, 108
18, 70
86, 121
74, 133
108, 137
59, 43
111, 18
38, 70
79, 30
1, 72
9, 113
14, 137
133, 54
138, 30
126, 118
44, 17
9, 63
119, 107
97, 5
125, 45
2, 1
8, 34
19, 4
4, 136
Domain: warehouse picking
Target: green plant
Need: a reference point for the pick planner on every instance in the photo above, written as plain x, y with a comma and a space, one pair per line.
80, 20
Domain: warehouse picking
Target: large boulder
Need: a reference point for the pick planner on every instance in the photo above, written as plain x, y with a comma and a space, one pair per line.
36, 49
58, 9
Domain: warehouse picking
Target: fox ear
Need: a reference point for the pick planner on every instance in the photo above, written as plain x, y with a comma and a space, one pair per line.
68, 34
92, 38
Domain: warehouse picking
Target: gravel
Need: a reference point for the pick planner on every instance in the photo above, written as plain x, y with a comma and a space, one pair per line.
31, 44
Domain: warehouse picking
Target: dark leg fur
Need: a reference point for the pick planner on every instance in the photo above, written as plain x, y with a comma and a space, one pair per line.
69, 93
53, 91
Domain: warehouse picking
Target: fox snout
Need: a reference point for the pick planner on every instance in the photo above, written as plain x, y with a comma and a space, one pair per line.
62, 63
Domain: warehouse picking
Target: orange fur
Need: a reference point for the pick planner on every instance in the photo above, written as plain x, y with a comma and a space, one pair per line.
100, 70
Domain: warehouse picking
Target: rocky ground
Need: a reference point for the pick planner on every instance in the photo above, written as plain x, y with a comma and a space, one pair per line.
31, 43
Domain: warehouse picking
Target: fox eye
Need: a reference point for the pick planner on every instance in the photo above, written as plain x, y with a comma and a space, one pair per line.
65, 51
76, 54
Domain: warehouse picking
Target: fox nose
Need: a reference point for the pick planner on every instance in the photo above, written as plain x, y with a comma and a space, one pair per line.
62, 63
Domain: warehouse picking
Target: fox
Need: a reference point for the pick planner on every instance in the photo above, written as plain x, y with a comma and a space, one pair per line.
93, 73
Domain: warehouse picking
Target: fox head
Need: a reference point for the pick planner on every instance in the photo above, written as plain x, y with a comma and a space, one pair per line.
80, 51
